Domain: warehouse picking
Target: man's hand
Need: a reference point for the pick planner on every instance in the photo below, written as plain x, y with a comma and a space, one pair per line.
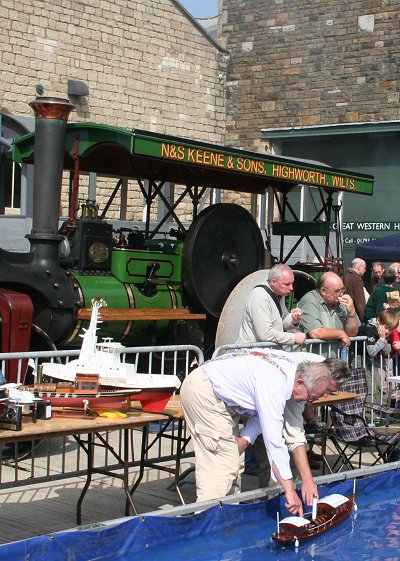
345, 339
297, 315
308, 487
242, 444
293, 503
308, 491
347, 301
352, 321
396, 345
299, 338
382, 331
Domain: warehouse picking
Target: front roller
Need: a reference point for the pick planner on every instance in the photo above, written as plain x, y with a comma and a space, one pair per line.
222, 246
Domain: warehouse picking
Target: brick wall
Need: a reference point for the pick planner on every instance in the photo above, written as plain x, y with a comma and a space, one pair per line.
145, 63
309, 62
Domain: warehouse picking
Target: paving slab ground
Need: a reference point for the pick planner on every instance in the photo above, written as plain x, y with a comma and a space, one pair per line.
47, 507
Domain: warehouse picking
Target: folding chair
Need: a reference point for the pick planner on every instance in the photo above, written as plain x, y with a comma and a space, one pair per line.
350, 433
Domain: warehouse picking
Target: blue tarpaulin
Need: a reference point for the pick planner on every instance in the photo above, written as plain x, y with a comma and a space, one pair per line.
233, 533
385, 249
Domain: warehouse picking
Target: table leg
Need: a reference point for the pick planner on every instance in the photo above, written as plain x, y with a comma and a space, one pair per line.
143, 451
124, 462
89, 452
181, 443
129, 500
325, 463
178, 462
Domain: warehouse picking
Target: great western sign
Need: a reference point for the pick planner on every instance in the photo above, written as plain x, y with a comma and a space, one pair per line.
252, 164
361, 232
369, 226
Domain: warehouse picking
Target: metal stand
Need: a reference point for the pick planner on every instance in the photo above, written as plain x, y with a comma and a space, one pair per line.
89, 446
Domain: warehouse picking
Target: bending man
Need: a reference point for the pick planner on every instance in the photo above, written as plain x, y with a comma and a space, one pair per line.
251, 384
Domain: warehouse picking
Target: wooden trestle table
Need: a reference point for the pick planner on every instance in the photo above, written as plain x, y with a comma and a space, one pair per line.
93, 427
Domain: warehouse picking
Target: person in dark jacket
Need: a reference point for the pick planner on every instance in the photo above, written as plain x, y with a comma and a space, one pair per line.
354, 285
378, 298
377, 275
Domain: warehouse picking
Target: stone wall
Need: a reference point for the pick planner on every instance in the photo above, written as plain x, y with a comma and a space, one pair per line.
145, 62
309, 62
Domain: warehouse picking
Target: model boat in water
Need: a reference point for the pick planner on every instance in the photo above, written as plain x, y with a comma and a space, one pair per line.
326, 514
99, 376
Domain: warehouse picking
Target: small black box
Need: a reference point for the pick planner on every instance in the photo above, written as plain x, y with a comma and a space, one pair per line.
43, 410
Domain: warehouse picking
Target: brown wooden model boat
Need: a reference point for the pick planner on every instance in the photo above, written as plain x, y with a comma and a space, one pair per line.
329, 511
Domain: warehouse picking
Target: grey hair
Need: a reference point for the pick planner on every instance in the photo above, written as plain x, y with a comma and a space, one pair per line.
338, 369
389, 275
357, 262
278, 270
312, 373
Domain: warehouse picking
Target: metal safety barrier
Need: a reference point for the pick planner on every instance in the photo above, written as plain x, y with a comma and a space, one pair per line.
327, 348
58, 458
55, 458
377, 368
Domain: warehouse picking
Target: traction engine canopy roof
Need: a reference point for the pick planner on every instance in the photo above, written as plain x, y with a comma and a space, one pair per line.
118, 152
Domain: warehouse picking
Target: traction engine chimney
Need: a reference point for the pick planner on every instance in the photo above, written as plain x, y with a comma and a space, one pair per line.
51, 116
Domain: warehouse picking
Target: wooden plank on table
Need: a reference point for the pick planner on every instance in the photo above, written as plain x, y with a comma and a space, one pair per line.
337, 397
141, 314
174, 407
59, 426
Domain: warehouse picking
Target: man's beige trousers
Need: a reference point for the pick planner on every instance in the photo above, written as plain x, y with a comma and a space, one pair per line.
213, 429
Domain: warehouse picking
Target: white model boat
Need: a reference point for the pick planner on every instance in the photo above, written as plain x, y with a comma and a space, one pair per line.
104, 360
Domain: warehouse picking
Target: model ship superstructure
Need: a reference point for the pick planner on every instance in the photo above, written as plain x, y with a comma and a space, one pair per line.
326, 513
99, 373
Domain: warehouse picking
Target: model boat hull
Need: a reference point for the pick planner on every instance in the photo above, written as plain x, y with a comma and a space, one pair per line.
327, 518
151, 400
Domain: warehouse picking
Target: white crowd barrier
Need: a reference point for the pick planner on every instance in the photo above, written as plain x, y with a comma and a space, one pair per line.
378, 368
58, 458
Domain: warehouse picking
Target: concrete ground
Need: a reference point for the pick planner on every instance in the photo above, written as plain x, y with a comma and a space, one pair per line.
37, 509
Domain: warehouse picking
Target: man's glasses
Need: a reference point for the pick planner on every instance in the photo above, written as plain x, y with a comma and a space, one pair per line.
337, 292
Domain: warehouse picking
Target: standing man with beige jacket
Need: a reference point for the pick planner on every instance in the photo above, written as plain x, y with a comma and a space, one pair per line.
266, 317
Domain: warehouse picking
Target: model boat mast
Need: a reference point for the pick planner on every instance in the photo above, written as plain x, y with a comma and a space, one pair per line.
88, 348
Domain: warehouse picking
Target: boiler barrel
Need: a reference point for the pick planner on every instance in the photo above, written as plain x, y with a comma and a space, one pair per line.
124, 296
